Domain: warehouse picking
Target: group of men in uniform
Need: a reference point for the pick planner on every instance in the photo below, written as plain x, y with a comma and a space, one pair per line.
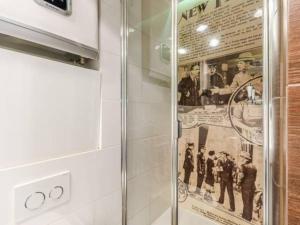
226, 168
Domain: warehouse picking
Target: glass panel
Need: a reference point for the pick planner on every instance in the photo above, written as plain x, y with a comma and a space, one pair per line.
149, 112
220, 97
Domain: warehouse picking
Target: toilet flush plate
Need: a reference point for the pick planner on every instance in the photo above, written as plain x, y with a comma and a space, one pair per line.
38, 196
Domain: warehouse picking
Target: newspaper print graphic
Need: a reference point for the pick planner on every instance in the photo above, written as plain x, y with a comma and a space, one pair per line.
220, 98
230, 97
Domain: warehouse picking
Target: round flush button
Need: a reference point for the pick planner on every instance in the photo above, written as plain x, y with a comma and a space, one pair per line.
35, 201
56, 193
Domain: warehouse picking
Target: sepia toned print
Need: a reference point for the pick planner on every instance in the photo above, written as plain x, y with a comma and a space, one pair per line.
220, 175
212, 82
220, 98
220, 152
213, 28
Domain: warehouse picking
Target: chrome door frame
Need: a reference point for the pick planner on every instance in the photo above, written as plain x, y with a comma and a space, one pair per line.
174, 117
124, 51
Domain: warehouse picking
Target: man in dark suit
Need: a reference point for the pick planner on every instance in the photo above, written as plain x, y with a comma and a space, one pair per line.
216, 79
188, 164
227, 167
200, 169
246, 180
189, 88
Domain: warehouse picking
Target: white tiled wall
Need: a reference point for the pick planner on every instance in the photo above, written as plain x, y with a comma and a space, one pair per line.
56, 117
75, 27
148, 115
48, 109
91, 183
184, 217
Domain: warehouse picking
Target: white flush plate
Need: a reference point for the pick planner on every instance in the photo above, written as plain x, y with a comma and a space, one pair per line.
38, 196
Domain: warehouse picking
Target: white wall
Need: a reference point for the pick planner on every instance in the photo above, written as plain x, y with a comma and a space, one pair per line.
149, 113
75, 27
184, 217
56, 117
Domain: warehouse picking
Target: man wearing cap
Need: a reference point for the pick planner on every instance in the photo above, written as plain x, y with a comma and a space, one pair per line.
227, 181
246, 180
241, 77
189, 88
188, 164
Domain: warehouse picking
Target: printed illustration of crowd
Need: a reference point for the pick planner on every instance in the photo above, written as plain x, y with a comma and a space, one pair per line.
235, 177
217, 87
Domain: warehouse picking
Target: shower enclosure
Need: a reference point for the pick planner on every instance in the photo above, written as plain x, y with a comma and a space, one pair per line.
203, 112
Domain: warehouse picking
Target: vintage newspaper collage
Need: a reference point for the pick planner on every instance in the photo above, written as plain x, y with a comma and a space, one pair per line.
220, 94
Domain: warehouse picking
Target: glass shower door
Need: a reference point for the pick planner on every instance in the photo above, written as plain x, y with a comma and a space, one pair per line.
148, 112
221, 97
212, 65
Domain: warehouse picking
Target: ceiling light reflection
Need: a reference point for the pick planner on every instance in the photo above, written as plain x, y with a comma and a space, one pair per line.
131, 30
182, 51
202, 28
214, 42
258, 13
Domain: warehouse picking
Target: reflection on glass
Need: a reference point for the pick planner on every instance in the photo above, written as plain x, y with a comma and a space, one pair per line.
258, 13
182, 51
214, 42
202, 28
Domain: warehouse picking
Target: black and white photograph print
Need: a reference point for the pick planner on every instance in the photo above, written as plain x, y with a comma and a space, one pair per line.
189, 86
220, 174
214, 81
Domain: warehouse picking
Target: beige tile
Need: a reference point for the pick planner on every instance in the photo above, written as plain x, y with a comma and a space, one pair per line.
293, 153
111, 124
110, 76
110, 29
294, 44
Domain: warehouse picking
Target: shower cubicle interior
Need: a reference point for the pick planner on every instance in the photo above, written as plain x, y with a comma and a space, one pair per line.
148, 110
236, 52
203, 106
